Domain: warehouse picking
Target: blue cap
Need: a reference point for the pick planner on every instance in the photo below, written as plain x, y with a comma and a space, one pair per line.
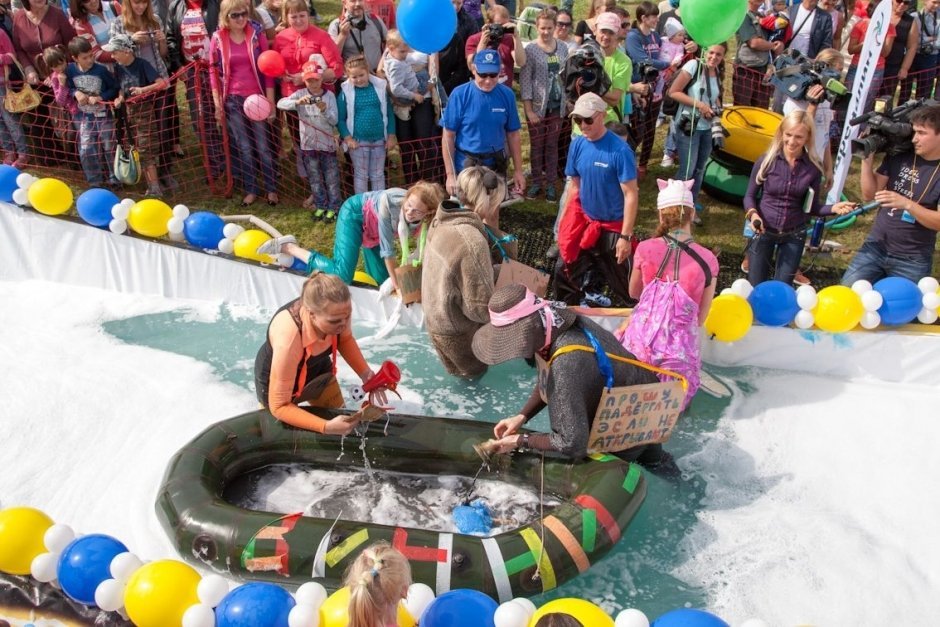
487, 62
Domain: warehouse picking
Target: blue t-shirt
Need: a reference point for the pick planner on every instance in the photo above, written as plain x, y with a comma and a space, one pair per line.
140, 73
481, 119
602, 166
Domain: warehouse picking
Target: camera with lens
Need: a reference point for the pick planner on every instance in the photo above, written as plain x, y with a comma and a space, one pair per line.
358, 24
317, 99
718, 132
889, 130
583, 72
794, 74
687, 122
647, 72
494, 33
927, 48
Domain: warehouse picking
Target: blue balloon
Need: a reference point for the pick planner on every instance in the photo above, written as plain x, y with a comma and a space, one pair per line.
426, 25
85, 563
460, 608
8, 184
902, 300
255, 604
774, 303
686, 617
204, 229
94, 206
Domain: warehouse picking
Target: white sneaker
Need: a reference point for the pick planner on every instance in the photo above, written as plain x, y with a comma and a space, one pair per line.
668, 161
273, 245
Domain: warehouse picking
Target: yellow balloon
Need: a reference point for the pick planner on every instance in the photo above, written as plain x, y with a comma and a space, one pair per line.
729, 318
584, 611
839, 309
362, 277
335, 611
21, 538
158, 593
246, 245
50, 196
149, 217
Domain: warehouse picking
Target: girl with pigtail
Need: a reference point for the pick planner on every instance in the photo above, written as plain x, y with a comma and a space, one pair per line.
378, 581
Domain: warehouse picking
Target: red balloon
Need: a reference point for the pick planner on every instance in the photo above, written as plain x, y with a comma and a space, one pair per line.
271, 63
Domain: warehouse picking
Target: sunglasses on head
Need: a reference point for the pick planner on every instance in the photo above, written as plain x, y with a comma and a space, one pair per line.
488, 74
577, 119
238, 15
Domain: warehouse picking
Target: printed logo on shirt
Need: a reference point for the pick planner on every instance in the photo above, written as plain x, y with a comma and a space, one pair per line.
498, 110
601, 164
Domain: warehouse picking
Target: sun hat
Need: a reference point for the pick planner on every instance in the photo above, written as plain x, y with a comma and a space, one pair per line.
487, 62
517, 326
588, 104
673, 193
607, 21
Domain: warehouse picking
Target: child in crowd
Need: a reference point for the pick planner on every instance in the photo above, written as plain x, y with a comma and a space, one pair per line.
378, 581
92, 85
12, 139
139, 78
777, 23
318, 116
366, 124
64, 111
672, 48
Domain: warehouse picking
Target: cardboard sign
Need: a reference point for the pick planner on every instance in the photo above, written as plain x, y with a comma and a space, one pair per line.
512, 271
409, 283
635, 415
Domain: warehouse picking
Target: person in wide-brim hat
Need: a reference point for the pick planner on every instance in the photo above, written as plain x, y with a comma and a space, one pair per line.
570, 382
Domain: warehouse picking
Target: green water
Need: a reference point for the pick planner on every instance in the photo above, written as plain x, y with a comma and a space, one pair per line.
635, 574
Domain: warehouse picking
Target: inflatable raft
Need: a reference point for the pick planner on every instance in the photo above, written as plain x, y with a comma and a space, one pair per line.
599, 498
749, 132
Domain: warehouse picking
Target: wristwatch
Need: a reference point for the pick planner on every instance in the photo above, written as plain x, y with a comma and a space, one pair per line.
626, 237
522, 444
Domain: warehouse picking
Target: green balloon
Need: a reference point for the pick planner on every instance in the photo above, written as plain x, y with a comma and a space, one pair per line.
710, 22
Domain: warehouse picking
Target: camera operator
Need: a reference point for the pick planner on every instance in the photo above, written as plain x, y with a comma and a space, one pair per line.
358, 33
643, 45
903, 238
501, 35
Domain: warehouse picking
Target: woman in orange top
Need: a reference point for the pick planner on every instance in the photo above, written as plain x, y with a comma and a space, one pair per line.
298, 359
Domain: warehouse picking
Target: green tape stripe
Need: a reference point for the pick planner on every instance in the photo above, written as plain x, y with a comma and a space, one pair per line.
632, 478
519, 564
588, 529
249, 552
602, 457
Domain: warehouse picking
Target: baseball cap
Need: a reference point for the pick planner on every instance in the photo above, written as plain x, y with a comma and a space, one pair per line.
487, 62
607, 21
588, 104
119, 43
311, 70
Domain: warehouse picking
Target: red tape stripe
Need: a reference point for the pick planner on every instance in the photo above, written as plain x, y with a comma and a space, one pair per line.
606, 520
281, 548
416, 553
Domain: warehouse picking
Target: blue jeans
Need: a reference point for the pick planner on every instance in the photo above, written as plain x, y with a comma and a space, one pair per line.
248, 138
760, 257
322, 169
368, 161
96, 147
872, 263
694, 151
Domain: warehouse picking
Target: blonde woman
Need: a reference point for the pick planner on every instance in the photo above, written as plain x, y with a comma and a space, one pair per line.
788, 183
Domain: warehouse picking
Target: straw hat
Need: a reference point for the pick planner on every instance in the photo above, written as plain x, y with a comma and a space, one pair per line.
523, 338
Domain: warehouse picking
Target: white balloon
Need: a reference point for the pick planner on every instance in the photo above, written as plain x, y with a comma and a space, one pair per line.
24, 180
807, 300
419, 598
44, 567
21, 198
510, 614
861, 286
527, 604
120, 212
117, 226
57, 537
199, 615
311, 593
177, 237
870, 320
128, 202
284, 260
804, 319
631, 618
928, 285
181, 211
931, 300
742, 288
123, 565
303, 616
109, 595
872, 301
212, 589
174, 225
226, 246
232, 230
927, 316
754, 622
727, 290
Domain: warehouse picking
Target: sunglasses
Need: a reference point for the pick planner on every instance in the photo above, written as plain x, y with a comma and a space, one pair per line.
577, 119
488, 74
563, 24
624, 24
239, 15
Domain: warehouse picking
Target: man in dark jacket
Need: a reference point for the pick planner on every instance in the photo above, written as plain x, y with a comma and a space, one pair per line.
812, 29
452, 68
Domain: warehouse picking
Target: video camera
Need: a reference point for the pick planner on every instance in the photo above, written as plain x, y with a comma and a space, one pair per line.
889, 129
794, 74
494, 33
647, 72
583, 71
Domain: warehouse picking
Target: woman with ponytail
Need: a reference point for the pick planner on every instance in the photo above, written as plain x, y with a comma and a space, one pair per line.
378, 581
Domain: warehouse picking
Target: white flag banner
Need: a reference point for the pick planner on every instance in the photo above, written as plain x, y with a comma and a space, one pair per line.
867, 62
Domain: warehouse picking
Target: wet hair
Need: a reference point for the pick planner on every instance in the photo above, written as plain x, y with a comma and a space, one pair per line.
394, 39
322, 289
792, 119
377, 581
53, 56
355, 62
231, 6
148, 21
927, 116
430, 194
293, 6
557, 619
78, 46
481, 189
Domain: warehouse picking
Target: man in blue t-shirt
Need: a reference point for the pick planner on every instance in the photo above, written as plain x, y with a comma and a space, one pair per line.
904, 236
480, 120
596, 232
